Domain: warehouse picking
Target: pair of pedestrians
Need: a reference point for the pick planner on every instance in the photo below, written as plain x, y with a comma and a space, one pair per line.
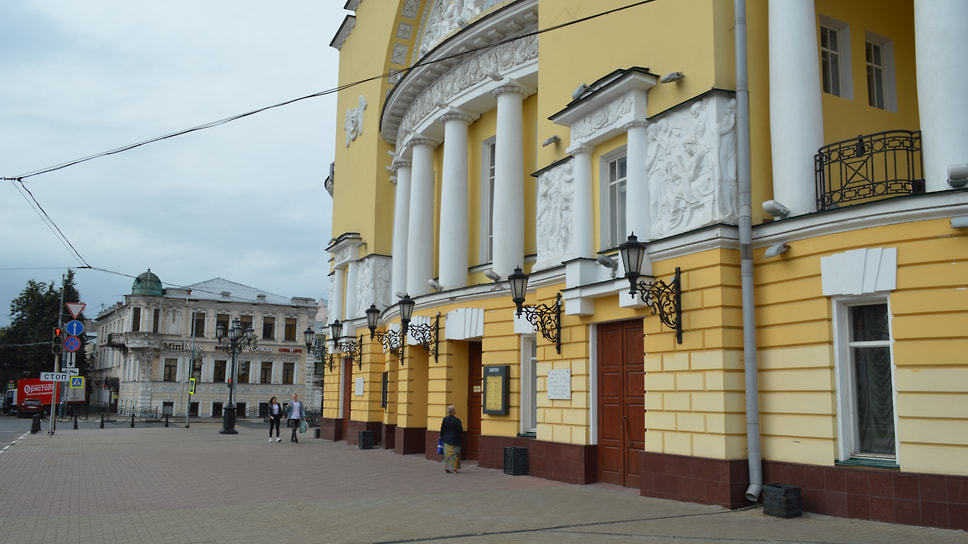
295, 412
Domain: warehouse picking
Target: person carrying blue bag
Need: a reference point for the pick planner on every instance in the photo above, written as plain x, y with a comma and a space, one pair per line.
295, 412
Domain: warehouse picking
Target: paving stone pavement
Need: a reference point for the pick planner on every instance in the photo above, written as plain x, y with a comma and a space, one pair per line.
194, 485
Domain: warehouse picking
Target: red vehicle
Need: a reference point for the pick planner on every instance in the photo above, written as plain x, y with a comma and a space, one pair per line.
30, 407
33, 388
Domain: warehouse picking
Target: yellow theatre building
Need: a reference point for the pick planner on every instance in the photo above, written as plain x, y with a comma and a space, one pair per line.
742, 229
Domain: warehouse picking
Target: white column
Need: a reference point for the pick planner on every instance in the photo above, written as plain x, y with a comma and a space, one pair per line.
453, 202
401, 226
508, 195
582, 226
351, 307
336, 305
941, 44
638, 218
420, 238
796, 114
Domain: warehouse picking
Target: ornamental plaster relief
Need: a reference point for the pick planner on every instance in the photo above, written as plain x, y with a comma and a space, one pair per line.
553, 223
691, 164
446, 16
373, 283
614, 114
465, 76
353, 123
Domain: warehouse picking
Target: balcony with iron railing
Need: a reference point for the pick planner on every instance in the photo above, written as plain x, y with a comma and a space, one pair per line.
868, 168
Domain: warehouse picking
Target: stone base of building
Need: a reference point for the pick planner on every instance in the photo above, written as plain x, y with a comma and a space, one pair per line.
409, 440
930, 500
388, 436
874, 494
569, 463
694, 479
330, 429
355, 427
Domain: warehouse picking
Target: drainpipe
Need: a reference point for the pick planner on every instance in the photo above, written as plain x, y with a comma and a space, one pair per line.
746, 256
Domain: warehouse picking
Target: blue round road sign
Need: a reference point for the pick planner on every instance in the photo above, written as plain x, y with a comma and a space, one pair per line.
72, 343
74, 328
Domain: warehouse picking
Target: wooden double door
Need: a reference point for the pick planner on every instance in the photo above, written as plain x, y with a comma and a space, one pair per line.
621, 402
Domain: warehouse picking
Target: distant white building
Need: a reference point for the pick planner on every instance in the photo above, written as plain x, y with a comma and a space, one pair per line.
145, 346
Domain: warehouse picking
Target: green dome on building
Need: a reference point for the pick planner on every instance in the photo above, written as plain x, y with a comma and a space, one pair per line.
147, 284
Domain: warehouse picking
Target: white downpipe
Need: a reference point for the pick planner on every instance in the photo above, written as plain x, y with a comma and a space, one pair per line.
746, 257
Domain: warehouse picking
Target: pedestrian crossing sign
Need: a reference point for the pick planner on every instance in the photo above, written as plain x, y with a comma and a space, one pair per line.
77, 382
191, 386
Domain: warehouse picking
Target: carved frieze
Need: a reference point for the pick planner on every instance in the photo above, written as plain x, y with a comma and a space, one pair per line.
353, 123
556, 192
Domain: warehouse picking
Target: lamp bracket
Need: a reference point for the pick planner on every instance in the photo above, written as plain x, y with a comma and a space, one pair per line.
390, 340
353, 347
547, 319
664, 299
426, 334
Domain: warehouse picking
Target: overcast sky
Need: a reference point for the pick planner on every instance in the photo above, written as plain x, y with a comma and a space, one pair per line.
243, 201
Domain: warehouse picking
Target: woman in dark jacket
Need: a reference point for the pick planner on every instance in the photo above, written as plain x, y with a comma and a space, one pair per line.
275, 416
450, 434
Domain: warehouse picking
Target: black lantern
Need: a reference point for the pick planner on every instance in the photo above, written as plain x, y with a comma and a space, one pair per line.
353, 347
237, 339
546, 318
391, 340
406, 312
666, 299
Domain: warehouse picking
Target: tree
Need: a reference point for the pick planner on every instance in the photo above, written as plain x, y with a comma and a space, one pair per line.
26, 343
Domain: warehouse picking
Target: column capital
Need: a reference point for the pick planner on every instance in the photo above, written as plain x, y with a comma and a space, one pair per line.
457, 116
638, 123
398, 164
512, 88
422, 140
579, 149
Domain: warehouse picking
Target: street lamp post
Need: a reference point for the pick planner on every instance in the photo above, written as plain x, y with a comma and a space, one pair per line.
316, 347
237, 339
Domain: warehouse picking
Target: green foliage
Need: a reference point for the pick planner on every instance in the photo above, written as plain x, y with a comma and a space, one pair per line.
25, 346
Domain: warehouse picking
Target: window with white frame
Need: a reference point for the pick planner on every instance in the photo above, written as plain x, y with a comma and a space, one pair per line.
865, 380
613, 178
879, 53
835, 57
487, 201
529, 384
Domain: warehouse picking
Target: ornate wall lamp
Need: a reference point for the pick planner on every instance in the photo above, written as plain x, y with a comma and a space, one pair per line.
666, 299
353, 347
424, 333
317, 347
546, 318
391, 340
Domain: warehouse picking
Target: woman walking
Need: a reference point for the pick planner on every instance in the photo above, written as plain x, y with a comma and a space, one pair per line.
295, 412
275, 417
450, 434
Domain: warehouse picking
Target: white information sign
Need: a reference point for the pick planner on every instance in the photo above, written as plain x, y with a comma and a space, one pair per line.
54, 376
559, 384
359, 387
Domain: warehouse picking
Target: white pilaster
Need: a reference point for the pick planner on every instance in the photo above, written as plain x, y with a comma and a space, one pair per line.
638, 217
453, 254
582, 227
508, 217
420, 238
339, 287
796, 114
352, 276
401, 227
942, 73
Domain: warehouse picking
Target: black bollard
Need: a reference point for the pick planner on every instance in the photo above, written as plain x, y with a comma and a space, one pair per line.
132, 420
102, 421
75, 421
166, 420
35, 424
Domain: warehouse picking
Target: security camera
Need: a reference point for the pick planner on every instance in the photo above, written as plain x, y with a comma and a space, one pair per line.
492, 275
958, 175
608, 262
671, 77
579, 91
776, 209
434, 284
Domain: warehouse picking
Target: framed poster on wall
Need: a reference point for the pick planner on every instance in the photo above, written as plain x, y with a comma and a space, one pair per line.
496, 389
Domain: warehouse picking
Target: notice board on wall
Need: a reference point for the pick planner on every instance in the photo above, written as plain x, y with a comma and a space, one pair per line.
495, 389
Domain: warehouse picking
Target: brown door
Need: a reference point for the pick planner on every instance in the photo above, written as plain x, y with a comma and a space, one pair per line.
347, 395
621, 402
475, 381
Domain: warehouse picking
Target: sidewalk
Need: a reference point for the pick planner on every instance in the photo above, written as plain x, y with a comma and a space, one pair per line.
178, 485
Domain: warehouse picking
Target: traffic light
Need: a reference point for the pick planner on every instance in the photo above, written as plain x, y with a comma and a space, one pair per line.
57, 342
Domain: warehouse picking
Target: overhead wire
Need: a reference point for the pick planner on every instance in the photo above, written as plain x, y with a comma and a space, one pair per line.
32, 201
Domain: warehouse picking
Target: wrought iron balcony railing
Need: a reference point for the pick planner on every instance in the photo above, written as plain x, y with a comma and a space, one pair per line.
869, 167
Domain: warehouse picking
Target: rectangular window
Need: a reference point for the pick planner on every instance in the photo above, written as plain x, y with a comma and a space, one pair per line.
288, 370
268, 328
244, 372
135, 319
223, 320
290, 329
171, 370
266, 374
615, 201
865, 382
246, 322
879, 53
487, 201
218, 373
156, 322
835, 78
198, 325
